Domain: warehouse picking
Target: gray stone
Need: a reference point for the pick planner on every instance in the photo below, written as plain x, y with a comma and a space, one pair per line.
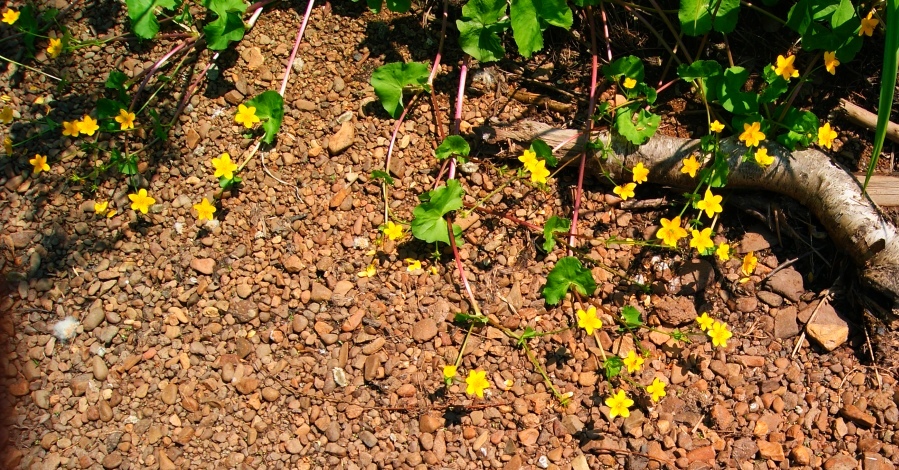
424, 330
785, 325
788, 283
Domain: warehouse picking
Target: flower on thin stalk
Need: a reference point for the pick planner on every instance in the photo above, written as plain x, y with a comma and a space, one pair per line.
710, 203
125, 119
528, 158
656, 389
719, 334
70, 129
39, 162
867, 27
413, 265
625, 191
6, 115
752, 134
539, 173
749, 263
785, 67
100, 207
140, 201
55, 48
701, 240
205, 210
633, 362
393, 231
691, 166
224, 166
762, 157
246, 115
671, 231
716, 126
831, 62
629, 83
477, 383
88, 125
826, 135
723, 252
588, 320
640, 173
449, 373
11, 16
705, 321
619, 404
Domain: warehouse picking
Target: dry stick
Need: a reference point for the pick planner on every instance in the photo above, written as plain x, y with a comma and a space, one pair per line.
591, 108
862, 117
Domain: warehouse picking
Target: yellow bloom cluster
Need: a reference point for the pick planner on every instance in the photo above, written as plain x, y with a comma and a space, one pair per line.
536, 166
87, 126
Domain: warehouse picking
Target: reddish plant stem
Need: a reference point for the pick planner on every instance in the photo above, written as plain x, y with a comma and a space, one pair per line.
434, 105
461, 269
156, 66
605, 30
296, 46
396, 130
457, 116
591, 108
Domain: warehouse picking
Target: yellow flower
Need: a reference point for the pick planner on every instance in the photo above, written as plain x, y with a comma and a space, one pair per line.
629, 83
141, 201
625, 191
671, 231
246, 116
619, 404
723, 252
70, 129
867, 28
528, 158
393, 231
826, 135
588, 320
702, 241
710, 203
125, 119
762, 157
6, 115
7, 145
705, 321
691, 166
100, 207
785, 67
205, 210
539, 173
413, 265
477, 383
633, 362
433, 270
87, 125
640, 173
716, 126
11, 16
449, 373
224, 166
752, 134
831, 62
110, 213
370, 271
749, 263
656, 389
55, 48
39, 162
719, 334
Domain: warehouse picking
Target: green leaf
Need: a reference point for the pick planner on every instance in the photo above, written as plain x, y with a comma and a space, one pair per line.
631, 316
382, 175
228, 26
227, 183
158, 128
480, 27
391, 79
270, 109
553, 225
527, 334
453, 145
802, 128
544, 152
27, 23
566, 273
399, 6
628, 66
730, 94
428, 223
636, 126
470, 319
698, 17
776, 86
143, 16
887, 85
116, 81
530, 17
716, 174
699, 69
612, 366
107, 109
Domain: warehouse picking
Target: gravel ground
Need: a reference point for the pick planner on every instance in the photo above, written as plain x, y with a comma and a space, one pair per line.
252, 342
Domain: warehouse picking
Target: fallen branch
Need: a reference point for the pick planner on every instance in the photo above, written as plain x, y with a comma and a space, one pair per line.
862, 117
810, 177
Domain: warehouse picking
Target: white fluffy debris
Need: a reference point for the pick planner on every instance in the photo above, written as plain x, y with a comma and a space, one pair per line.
64, 330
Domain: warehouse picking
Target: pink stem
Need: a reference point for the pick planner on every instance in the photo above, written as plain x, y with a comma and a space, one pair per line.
296, 46
457, 117
590, 110
439, 46
461, 269
605, 30
159, 63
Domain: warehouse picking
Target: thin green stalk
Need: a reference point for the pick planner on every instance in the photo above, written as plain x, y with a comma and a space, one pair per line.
30, 68
887, 84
